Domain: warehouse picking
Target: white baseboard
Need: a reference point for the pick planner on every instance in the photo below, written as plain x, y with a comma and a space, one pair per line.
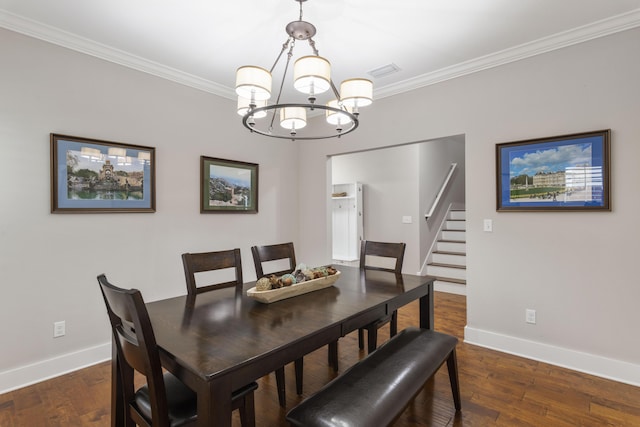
36, 372
612, 369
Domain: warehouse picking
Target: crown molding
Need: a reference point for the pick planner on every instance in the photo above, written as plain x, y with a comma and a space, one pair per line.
71, 41
571, 37
605, 27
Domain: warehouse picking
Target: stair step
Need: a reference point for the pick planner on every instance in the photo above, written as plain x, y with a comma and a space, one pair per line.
456, 224
440, 264
447, 271
450, 252
450, 287
451, 246
453, 258
458, 214
451, 280
455, 235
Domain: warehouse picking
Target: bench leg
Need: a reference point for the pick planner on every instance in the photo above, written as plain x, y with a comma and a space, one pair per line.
361, 339
298, 364
452, 365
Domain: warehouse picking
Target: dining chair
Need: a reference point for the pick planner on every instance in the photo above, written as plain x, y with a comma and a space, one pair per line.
210, 261
276, 257
203, 262
379, 252
274, 254
164, 401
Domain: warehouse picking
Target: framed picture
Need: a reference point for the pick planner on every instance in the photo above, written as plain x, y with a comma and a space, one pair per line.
560, 173
228, 186
93, 176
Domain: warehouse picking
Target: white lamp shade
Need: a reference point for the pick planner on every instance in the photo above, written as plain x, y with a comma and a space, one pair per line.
253, 83
293, 117
243, 107
312, 75
356, 92
335, 118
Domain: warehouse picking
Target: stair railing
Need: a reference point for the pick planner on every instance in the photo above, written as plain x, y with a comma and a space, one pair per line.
452, 168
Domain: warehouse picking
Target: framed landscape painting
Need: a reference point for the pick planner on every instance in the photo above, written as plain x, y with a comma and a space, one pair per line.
228, 186
95, 176
561, 173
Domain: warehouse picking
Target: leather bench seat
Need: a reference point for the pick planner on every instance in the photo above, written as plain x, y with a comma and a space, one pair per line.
376, 390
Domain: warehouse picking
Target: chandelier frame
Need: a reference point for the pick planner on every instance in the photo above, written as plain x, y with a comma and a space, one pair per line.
345, 120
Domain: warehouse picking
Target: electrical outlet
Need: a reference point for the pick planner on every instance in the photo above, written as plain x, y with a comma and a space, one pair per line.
59, 329
488, 225
530, 316
407, 220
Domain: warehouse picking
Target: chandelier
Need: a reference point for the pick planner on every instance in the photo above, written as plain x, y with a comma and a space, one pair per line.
311, 76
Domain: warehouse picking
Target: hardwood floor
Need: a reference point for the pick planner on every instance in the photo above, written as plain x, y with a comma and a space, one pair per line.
497, 389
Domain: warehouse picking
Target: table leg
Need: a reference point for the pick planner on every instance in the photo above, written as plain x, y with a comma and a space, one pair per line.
214, 403
426, 309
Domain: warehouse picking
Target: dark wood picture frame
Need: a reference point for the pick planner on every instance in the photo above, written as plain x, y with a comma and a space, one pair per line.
559, 173
95, 176
228, 186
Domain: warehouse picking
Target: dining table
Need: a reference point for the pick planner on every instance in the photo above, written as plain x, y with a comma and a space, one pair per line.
219, 341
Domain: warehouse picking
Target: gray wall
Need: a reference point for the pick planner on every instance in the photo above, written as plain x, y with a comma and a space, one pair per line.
583, 284
576, 269
49, 263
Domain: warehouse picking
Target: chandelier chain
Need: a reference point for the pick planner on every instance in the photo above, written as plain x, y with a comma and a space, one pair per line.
284, 47
292, 42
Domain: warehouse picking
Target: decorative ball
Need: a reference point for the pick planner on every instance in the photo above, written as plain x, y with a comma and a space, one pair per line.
263, 284
300, 277
275, 282
288, 280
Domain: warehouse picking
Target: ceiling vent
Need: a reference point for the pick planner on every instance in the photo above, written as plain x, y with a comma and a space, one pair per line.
384, 71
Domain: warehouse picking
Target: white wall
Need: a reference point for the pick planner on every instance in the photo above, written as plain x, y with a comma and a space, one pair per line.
390, 191
436, 158
577, 269
403, 181
49, 262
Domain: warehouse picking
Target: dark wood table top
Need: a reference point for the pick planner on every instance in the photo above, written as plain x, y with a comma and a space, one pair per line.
231, 340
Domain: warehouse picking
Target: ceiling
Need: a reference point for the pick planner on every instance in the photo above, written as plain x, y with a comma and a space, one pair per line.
200, 43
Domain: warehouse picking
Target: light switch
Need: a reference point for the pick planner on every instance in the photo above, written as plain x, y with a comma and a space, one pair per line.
488, 225
407, 219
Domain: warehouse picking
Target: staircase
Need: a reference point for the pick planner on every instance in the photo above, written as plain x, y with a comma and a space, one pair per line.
448, 260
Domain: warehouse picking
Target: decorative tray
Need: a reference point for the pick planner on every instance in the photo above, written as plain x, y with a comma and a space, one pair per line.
301, 288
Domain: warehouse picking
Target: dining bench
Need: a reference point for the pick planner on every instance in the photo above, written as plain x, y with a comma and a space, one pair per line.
377, 389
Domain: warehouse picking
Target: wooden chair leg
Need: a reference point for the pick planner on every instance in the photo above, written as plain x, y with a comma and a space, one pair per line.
452, 366
333, 355
280, 385
299, 364
393, 324
361, 339
372, 339
248, 412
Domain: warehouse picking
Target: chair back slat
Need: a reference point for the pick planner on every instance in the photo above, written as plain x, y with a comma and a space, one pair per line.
384, 250
267, 253
211, 261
